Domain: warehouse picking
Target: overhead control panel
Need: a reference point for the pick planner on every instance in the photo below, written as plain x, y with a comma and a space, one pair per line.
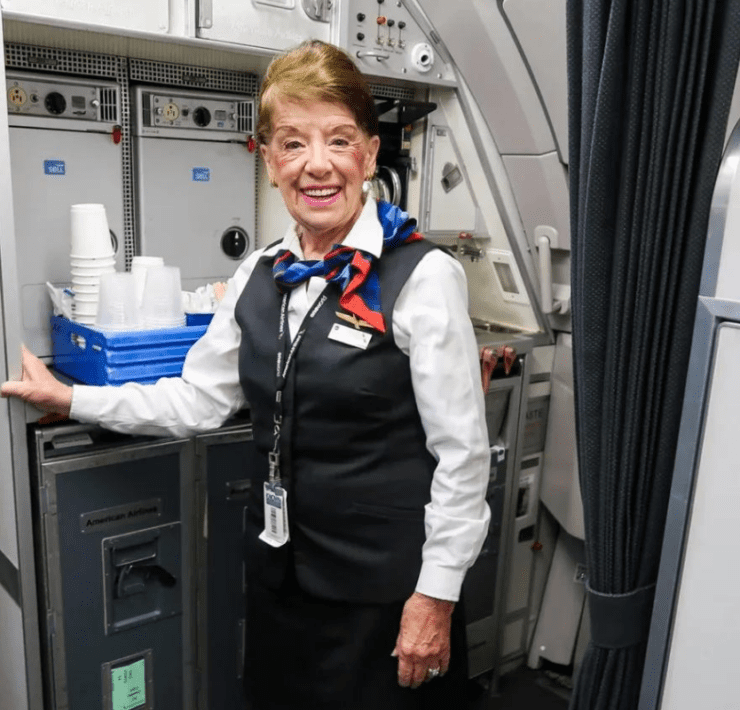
385, 40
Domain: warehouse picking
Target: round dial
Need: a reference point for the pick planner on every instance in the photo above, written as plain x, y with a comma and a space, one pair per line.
201, 116
55, 103
17, 96
171, 112
235, 242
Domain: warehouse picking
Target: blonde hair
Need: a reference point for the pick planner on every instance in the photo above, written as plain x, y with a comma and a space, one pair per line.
315, 70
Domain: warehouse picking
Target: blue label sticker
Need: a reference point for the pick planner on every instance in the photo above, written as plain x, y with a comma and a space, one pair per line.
201, 174
54, 167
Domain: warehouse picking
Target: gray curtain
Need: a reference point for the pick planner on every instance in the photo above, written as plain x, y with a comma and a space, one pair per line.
650, 84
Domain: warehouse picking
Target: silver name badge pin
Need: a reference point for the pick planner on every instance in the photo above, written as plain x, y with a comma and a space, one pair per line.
350, 336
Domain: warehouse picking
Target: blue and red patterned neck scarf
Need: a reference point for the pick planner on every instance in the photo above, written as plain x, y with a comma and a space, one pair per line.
351, 268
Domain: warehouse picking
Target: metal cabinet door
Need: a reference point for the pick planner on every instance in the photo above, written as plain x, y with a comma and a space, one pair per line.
227, 461
269, 24
142, 15
190, 193
115, 536
92, 173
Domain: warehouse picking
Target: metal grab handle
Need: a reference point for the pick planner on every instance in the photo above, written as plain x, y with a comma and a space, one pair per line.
554, 298
372, 53
132, 579
395, 184
543, 244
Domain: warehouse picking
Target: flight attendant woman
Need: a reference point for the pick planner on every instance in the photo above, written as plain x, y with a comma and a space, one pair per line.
349, 339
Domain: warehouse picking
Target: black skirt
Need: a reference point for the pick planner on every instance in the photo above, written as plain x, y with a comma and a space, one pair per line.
305, 653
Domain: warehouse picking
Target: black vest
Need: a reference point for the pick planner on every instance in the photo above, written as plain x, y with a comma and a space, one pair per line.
353, 451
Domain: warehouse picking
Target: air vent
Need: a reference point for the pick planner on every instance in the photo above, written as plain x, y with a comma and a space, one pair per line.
392, 92
245, 116
109, 105
146, 109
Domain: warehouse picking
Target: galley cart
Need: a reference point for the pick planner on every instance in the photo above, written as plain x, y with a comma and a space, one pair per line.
224, 461
113, 525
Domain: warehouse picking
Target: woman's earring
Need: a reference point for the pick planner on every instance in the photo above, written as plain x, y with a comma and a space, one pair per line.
367, 186
273, 183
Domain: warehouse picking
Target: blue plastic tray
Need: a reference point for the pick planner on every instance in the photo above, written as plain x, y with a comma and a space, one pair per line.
94, 357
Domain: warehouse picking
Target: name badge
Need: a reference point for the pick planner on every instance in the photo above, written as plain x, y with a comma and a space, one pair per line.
276, 531
350, 336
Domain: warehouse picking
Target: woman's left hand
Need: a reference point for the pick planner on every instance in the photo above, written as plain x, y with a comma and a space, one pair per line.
423, 642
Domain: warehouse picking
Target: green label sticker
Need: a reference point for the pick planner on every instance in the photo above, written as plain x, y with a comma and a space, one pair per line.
129, 686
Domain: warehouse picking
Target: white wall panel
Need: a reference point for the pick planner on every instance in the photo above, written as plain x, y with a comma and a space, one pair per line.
481, 45
540, 183
8, 283
561, 489
728, 284
539, 25
703, 656
8, 534
13, 692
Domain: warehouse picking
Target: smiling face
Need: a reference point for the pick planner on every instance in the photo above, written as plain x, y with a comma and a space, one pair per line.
319, 157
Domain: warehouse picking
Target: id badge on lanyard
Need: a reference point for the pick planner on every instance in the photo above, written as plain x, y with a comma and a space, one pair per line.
276, 532
276, 515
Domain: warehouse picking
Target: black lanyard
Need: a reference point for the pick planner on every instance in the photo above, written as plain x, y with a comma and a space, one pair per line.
281, 376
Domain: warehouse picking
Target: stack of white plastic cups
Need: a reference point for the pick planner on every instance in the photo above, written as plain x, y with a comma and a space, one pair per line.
91, 256
139, 266
117, 306
161, 302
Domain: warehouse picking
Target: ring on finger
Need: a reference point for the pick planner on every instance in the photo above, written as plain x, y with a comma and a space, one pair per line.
432, 673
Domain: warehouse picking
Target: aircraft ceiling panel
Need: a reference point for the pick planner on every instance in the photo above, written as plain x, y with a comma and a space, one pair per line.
480, 42
539, 27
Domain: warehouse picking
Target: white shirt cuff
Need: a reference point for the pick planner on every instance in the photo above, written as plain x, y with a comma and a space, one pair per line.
86, 403
440, 582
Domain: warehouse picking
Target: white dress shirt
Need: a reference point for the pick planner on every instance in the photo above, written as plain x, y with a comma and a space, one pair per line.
430, 324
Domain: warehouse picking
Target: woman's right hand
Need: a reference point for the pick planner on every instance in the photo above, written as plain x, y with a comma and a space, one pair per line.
39, 387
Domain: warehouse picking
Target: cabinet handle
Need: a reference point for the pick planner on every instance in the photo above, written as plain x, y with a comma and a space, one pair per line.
372, 53
205, 14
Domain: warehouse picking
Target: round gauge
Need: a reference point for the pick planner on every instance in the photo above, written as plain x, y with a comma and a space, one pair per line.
171, 112
17, 96
55, 103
